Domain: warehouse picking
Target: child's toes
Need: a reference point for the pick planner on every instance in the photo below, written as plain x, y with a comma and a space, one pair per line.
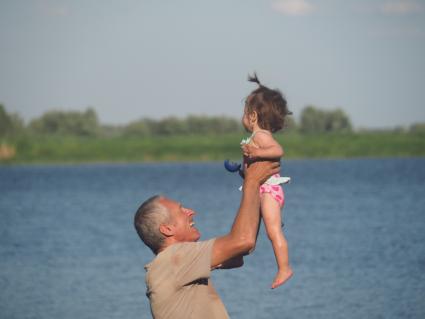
281, 278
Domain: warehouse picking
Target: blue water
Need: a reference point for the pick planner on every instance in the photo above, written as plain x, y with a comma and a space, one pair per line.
356, 233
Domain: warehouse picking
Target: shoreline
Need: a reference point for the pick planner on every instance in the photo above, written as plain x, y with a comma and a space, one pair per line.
194, 161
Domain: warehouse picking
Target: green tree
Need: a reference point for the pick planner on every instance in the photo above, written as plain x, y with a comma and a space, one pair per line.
10, 124
222, 124
5, 122
67, 123
193, 124
215, 125
417, 128
314, 120
137, 128
171, 125
337, 121
196, 124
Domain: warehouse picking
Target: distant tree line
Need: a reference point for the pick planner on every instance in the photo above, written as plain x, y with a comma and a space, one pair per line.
10, 124
314, 120
182, 126
67, 123
86, 123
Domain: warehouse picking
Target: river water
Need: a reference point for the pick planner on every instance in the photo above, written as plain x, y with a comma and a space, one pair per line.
356, 233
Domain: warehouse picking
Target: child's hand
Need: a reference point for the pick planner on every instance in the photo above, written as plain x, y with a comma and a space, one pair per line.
249, 150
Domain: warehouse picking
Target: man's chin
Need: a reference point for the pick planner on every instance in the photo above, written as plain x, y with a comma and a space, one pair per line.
198, 234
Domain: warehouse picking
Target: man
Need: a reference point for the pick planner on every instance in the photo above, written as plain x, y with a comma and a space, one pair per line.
178, 278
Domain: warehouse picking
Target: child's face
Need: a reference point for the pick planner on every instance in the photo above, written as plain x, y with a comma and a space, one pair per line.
245, 120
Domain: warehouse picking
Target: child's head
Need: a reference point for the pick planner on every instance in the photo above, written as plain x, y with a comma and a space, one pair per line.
266, 107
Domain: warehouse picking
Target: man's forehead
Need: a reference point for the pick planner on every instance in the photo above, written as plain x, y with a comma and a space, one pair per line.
169, 202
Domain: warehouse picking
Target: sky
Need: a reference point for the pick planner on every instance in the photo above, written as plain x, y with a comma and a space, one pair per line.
154, 58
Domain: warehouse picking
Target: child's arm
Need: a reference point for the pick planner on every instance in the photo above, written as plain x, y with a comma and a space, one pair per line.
265, 147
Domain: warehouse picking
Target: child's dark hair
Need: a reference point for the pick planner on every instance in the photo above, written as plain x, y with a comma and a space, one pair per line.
270, 106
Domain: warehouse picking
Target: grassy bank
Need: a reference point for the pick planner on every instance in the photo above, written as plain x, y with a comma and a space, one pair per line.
68, 149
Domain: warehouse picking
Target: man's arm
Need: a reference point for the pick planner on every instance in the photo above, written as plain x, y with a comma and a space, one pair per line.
234, 262
242, 236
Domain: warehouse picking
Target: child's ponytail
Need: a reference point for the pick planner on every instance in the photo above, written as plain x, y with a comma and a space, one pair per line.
254, 78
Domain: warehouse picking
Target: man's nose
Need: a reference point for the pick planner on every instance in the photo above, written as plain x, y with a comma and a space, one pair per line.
189, 212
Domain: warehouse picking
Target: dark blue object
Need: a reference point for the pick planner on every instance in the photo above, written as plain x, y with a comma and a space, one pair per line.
232, 166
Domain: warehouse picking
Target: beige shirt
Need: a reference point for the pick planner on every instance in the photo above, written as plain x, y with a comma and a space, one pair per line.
178, 283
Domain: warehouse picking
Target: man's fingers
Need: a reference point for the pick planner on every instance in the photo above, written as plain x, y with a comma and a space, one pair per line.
275, 164
275, 171
262, 170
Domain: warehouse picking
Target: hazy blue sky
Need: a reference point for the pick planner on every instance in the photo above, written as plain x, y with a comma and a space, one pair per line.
137, 58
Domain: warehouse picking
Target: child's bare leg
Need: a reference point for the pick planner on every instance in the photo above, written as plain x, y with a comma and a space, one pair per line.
270, 211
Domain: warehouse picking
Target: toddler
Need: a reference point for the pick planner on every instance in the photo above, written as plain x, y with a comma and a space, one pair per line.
264, 114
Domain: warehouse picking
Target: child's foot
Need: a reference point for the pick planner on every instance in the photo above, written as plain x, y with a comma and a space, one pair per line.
281, 277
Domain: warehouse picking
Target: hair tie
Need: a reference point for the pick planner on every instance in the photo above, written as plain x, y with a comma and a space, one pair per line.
255, 79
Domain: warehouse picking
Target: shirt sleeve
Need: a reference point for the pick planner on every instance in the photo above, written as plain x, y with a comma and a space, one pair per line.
192, 261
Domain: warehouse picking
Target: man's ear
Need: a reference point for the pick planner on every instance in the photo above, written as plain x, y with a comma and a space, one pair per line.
166, 230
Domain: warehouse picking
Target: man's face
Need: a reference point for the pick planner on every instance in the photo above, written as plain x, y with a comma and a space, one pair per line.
181, 221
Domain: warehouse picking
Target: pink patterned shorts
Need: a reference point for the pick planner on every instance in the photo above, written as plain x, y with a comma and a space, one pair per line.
275, 190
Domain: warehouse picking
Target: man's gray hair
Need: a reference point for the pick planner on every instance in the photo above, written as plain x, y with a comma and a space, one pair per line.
150, 215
